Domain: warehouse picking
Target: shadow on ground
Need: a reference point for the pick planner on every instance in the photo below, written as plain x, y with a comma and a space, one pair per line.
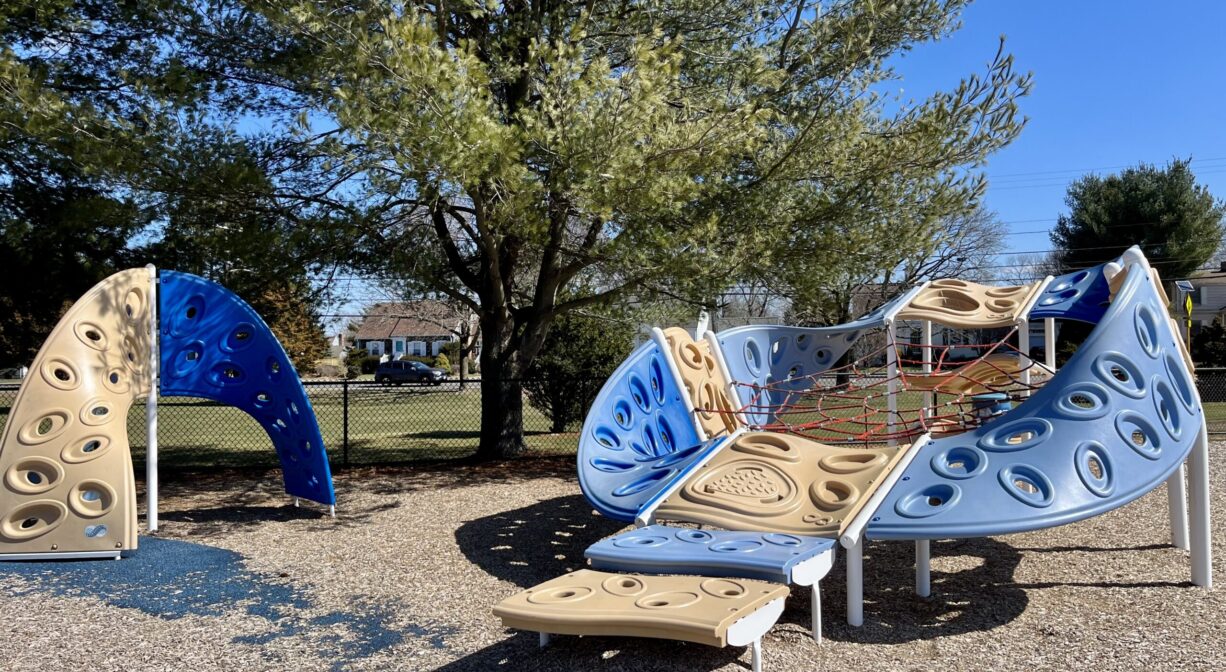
536, 543
172, 579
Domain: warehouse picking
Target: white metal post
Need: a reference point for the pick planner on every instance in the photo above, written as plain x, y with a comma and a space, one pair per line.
1177, 503
926, 345
1198, 498
923, 581
756, 653
151, 408
855, 583
1023, 344
891, 355
1049, 343
544, 640
815, 606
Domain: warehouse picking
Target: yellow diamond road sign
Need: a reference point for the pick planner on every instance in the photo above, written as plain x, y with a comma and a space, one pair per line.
1187, 305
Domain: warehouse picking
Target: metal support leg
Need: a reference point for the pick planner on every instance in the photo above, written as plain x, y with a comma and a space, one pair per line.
815, 618
855, 584
756, 648
1198, 499
544, 640
1177, 502
923, 579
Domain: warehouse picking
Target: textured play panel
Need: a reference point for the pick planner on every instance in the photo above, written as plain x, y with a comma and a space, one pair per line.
65, 458
773, 482
704, 382
970, 305
688, 608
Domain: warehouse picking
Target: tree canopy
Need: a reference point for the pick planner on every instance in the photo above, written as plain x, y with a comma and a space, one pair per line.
527, 158
1177, 223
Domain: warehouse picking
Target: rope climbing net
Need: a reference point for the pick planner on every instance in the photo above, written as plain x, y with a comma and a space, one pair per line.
878, 398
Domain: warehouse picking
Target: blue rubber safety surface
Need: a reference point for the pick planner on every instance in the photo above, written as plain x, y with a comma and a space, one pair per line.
215, 346
1113, 424
171, 579
637, 437
1081, 295
780, 357
659, 549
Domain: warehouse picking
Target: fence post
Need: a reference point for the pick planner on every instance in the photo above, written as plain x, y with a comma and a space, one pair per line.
345, 421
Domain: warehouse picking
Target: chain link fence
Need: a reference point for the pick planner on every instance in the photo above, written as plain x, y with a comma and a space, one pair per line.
366, 423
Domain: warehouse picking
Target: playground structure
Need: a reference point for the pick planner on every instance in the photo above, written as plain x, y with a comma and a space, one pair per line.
784, 443
69, 491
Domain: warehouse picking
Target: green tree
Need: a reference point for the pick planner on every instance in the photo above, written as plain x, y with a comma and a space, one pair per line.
1209, 345
504, 153
1177, 223
578, 355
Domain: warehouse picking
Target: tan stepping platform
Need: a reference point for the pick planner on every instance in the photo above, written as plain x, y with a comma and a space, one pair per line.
771, 482
969, 305
704, 382
712, 611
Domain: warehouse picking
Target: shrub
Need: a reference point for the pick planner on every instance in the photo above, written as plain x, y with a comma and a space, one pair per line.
442, 362
368, 364
577, 357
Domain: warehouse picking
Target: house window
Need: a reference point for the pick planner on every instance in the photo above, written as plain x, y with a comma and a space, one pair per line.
399, 347
417, 348
438, 346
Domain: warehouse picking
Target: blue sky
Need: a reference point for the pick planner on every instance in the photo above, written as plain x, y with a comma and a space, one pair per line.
1115, 83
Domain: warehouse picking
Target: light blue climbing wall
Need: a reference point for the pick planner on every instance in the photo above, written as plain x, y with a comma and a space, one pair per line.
637, 436
214, 346
769, 361
1113, 424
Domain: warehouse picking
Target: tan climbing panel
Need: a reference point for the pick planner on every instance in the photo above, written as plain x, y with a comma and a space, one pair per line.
64, 455
969, 305
704, 382
772, 482
688, 608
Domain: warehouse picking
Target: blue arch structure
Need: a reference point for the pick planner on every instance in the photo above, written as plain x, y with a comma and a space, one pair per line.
215, 346
1116, 422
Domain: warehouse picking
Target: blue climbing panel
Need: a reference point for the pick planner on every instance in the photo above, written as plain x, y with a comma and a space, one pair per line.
659, 549
637, 437
1081, 295
1112, 425
214, 346
781, 357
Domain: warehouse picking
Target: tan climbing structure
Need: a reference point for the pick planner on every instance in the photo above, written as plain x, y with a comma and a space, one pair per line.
64, 456
969, 305
688, 608
772, 482
704, 382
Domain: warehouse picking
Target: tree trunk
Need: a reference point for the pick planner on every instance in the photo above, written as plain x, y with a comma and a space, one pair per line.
502, 397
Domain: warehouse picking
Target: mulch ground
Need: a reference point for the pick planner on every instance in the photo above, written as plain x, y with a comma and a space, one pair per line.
404, 578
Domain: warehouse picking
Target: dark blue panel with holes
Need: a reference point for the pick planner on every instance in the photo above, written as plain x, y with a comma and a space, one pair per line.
1112, 425
1081, 295
214, 346
659, 549
637, 437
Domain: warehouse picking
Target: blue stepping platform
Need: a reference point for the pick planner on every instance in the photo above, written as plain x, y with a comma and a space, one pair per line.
659, 549
215, 346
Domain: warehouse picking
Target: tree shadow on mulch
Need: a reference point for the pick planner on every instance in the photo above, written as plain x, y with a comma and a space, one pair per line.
533, 544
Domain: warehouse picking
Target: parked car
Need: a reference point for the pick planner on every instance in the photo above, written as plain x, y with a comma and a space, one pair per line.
409, 372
